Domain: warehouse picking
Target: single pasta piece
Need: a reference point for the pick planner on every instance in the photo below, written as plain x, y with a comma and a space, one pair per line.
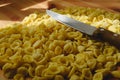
98, 76
75, 77
59, 77
19, 77
116, 74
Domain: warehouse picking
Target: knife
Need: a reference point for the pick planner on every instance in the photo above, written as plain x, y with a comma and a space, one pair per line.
101, 33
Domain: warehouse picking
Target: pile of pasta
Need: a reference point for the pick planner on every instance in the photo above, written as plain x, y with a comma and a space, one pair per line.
41, 48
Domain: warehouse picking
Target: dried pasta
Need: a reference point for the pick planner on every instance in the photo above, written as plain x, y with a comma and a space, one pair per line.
41, 48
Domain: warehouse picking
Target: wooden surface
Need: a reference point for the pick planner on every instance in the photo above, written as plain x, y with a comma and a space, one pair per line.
15, 10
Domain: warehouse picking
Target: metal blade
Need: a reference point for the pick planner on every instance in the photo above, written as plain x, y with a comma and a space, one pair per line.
80, 26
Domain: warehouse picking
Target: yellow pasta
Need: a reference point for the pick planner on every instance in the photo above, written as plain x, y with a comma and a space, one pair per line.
98, 76
109, 64
28, 58
39, 69
68, 48
118, 57
27, 44
116, 74
52, 69
22, 70
37, 44
87, 74
59, 77
104, 71
2, 50
16, 36
41, 48
38, 55
101, 58
61, 60
58, 50
81, 48
17, 57
75, 77
7, 67
39, 78
31, 71
18, 77
29, 50
91, 63
72, 71
16, 45
9, 52
42, 61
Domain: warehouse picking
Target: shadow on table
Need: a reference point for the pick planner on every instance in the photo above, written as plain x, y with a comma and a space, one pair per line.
16, 10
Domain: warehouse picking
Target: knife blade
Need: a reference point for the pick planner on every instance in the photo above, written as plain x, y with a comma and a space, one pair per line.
101, 33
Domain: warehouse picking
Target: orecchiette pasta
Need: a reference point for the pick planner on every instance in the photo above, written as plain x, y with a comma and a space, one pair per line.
28, 58
58, 50
72, 71
101, 58
41, 48
59, 77
29, 50
27, 44
91, 63
98, 76
86, 73
22, 70
75, 77
116, 74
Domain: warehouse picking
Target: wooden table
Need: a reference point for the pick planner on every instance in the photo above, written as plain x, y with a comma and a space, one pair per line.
15, 10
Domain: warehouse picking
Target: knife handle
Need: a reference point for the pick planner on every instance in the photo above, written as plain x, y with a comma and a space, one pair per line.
108, 36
